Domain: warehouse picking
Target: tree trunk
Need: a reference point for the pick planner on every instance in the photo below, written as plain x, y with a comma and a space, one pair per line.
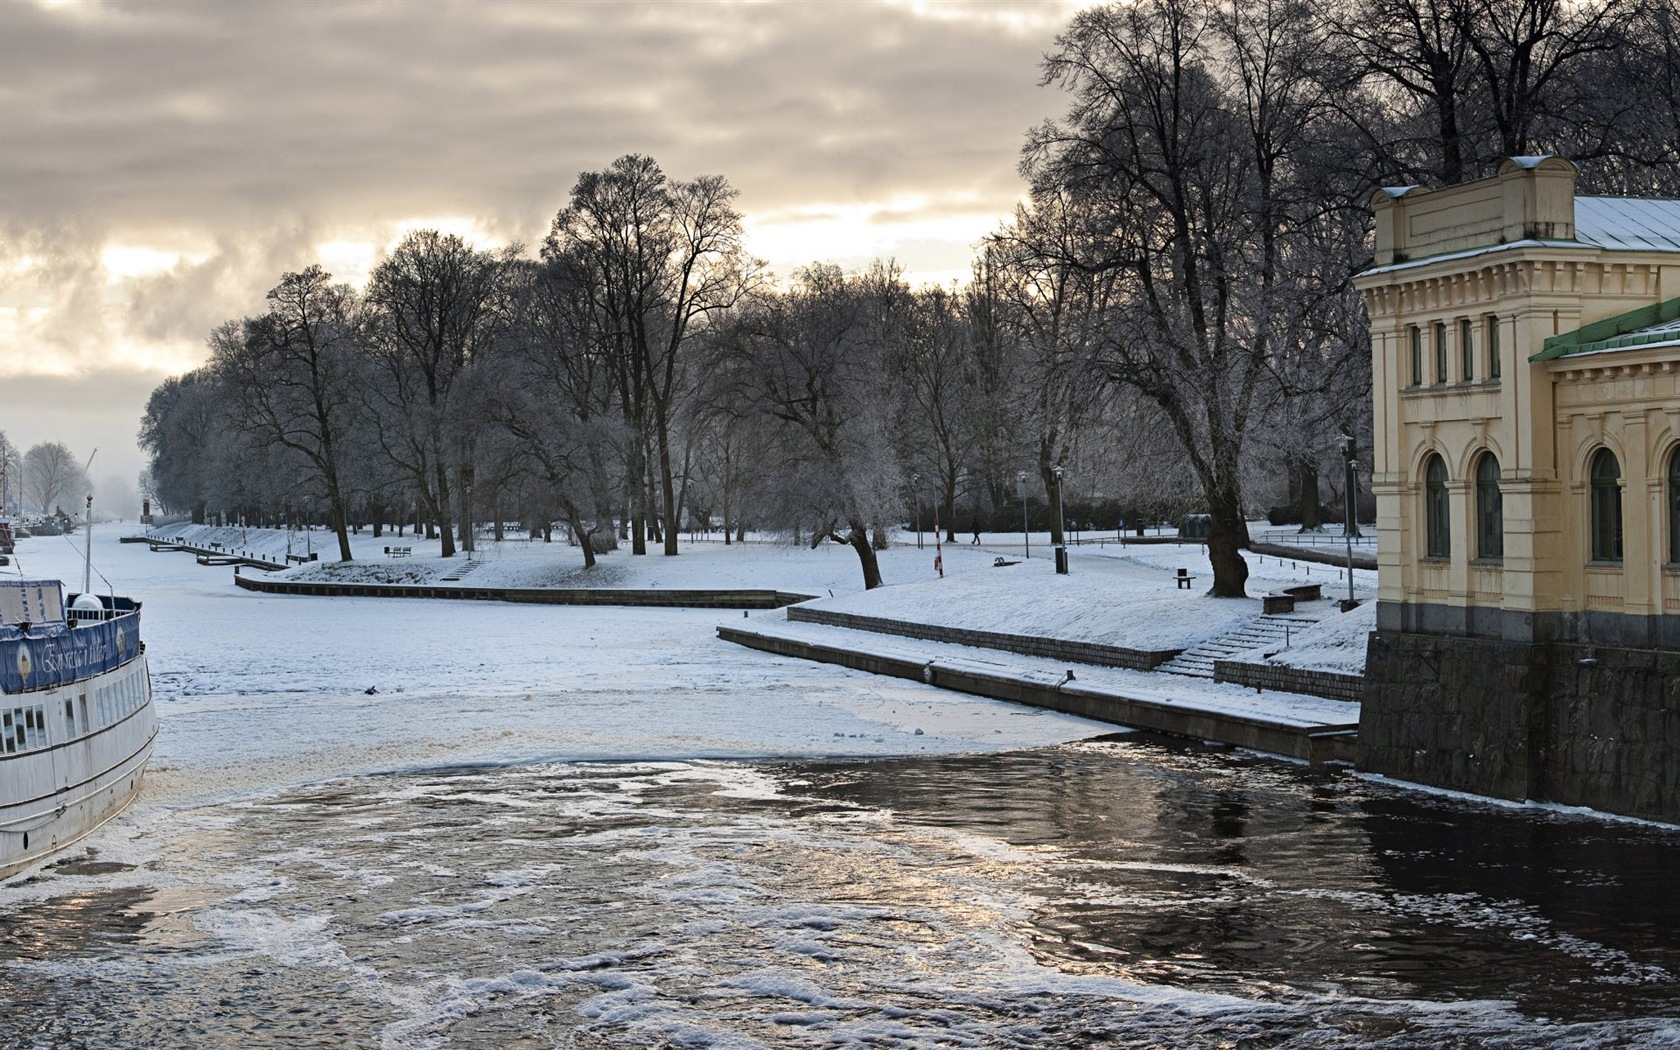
669, 507
1306, 485
1227, 536
440, 509
339, 528
585, 541
859, 540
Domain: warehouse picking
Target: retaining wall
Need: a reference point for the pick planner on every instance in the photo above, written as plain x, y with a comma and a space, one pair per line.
667, 599
1316, 744
1026, 645
1574, 724
1329, 684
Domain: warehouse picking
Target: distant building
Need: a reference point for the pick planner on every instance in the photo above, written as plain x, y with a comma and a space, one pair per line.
1526, 366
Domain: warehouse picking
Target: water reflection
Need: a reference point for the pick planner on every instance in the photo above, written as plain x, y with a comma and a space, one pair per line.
1117, 893
1180, 865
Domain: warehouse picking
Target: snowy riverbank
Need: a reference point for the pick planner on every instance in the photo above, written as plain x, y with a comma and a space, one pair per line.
1117, 595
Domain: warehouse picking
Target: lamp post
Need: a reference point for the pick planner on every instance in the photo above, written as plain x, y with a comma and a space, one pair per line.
1347, 515
1026, 535
1061, 524
938, 550
916, 490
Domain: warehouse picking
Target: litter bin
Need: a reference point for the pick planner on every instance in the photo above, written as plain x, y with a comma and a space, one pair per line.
1061, 560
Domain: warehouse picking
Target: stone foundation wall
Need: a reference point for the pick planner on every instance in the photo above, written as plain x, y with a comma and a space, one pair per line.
1558, 722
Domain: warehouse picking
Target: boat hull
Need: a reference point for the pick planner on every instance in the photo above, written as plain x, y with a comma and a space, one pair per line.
53, 795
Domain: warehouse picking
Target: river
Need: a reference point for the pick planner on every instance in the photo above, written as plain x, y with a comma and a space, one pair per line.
692, 845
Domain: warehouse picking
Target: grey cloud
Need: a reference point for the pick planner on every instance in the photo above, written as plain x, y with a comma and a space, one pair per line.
254, 130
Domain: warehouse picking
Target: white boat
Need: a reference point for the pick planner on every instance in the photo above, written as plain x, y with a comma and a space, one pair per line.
76, 720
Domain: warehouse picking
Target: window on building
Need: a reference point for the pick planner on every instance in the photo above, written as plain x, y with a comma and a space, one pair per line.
1674, 507
1417, 355
1493, 346
1440, 351
1490, 512
1466, 354
1606, 484
1437, 525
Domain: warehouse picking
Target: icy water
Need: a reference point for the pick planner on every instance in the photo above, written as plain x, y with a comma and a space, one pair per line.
466, 825
1114, 893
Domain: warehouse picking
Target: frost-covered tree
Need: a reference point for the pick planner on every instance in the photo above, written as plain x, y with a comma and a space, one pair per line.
811, 361
659, 258
293, 375
51, 476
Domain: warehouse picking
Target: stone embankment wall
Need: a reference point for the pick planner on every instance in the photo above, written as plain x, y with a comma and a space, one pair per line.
1026, 645
665, 599
1574, 724
1328, 684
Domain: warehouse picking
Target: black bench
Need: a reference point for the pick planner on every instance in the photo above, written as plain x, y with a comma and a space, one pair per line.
1001, 561
1184, 579
399, 552
301, 559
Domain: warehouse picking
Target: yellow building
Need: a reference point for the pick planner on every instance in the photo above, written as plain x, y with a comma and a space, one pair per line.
1526, 366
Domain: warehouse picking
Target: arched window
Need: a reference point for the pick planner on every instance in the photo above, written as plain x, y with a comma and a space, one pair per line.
1490, 513
1437, 528
1674, 506
1606, 482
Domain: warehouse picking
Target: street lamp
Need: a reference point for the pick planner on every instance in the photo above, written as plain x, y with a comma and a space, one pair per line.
1348, 512
916, 490
1061, 524
1026, 536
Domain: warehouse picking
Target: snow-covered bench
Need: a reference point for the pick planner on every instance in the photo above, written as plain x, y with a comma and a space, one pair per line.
399, 552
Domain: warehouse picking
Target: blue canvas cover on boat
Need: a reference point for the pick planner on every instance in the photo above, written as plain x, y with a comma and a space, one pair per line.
43, 659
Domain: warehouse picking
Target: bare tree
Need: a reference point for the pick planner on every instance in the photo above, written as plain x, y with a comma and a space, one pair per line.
811, 361
436, 302
293, 374
11, 473
1183, 156
659, 257
51, 474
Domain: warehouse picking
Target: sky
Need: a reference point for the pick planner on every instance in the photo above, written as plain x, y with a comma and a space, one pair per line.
162, 164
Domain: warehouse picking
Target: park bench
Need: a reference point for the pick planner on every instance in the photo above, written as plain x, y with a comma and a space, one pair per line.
399, 552
1184, 579
300, 559
1306, 592
1000, 561
1277, 603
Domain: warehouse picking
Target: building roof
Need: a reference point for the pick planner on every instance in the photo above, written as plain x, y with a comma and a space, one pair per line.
1628, 223
1647, 326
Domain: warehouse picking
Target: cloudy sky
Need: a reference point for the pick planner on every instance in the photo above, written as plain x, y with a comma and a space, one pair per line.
161, 164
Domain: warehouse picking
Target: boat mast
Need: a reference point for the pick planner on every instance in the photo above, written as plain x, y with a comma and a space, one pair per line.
87, 549
87, 528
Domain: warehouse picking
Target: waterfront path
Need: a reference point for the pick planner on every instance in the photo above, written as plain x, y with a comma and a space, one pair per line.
1293, 725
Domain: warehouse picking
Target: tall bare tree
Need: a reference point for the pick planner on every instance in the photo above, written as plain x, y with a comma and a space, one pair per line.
811, 360
660, 257
51, 475
436, 302
294, 374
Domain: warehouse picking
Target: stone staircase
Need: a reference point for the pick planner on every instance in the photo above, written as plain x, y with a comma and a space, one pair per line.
465, 568
1265, 630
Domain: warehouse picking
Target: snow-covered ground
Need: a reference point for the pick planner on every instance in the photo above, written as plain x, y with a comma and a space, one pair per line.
260, 691
1121, 595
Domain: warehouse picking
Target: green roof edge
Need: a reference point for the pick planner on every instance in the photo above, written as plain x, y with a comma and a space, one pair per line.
1601, 334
